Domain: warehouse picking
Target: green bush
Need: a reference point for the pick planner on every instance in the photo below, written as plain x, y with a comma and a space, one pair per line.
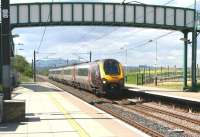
20, 64
44, 72
1, 88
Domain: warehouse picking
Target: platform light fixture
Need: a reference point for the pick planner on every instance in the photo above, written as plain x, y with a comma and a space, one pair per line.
15, 35
20, 49
184, 39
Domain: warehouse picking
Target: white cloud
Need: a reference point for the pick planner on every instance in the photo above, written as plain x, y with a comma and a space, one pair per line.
184, 3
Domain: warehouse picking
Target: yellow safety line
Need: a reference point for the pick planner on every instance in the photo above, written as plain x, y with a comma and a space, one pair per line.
70, 119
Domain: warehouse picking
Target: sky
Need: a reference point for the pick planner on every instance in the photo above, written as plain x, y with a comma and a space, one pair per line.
73, 42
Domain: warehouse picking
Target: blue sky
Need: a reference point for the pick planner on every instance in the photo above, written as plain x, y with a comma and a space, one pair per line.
70, 41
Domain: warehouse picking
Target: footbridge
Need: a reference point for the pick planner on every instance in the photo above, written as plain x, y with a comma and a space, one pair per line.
98, 14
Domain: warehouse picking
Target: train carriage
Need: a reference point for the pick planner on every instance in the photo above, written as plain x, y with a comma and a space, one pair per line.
56, 74
68, 77
100, 77
82, 76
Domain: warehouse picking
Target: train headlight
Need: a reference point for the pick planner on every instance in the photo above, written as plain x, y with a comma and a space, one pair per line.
104, 82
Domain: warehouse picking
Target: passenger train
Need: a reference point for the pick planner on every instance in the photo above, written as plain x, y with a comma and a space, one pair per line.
100, 77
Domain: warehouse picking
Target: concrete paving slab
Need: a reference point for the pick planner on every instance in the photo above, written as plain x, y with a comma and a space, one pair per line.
51, 112
193, 96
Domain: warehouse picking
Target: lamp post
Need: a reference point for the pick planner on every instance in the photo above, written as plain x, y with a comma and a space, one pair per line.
156, 60
15, 35
126, 63
156, 63
34, 62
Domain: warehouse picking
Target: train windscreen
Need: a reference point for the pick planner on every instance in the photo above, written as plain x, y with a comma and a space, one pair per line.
111, 67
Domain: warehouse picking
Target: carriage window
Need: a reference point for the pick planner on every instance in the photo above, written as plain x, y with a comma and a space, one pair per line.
83, 72
67, 72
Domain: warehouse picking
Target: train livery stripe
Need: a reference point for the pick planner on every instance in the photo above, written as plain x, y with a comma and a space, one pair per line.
70, 119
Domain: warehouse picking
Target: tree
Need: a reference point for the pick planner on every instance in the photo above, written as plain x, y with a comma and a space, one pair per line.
20, 64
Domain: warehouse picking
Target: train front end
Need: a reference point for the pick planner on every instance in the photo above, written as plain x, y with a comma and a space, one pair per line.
112, 76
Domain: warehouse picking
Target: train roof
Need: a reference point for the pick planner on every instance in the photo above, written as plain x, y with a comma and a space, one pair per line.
82, 63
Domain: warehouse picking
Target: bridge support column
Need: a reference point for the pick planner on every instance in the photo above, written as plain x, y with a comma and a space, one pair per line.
5, 39
194, 56
0, 55
185, 60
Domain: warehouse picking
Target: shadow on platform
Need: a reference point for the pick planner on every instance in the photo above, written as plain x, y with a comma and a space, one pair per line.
39, 88
6, 127
12, 126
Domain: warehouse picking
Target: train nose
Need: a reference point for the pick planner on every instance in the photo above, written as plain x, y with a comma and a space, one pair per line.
113, 86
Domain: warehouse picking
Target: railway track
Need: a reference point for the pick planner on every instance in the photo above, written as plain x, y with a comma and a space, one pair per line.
133, 123
152, 109
145, 111
141, 127
102, 103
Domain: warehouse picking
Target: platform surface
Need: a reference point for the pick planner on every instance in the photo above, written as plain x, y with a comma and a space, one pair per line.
51, 112
193, 96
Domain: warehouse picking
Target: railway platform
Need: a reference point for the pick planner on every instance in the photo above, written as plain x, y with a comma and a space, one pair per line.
193, 97
52, 112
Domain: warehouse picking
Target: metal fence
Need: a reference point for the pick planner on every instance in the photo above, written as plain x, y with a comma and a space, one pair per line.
149, 75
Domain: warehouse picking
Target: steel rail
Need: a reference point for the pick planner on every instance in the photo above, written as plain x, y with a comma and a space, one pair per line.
145, 112
132, 122
170, 114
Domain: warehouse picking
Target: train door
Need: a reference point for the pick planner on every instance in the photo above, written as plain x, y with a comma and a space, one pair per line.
95, 75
